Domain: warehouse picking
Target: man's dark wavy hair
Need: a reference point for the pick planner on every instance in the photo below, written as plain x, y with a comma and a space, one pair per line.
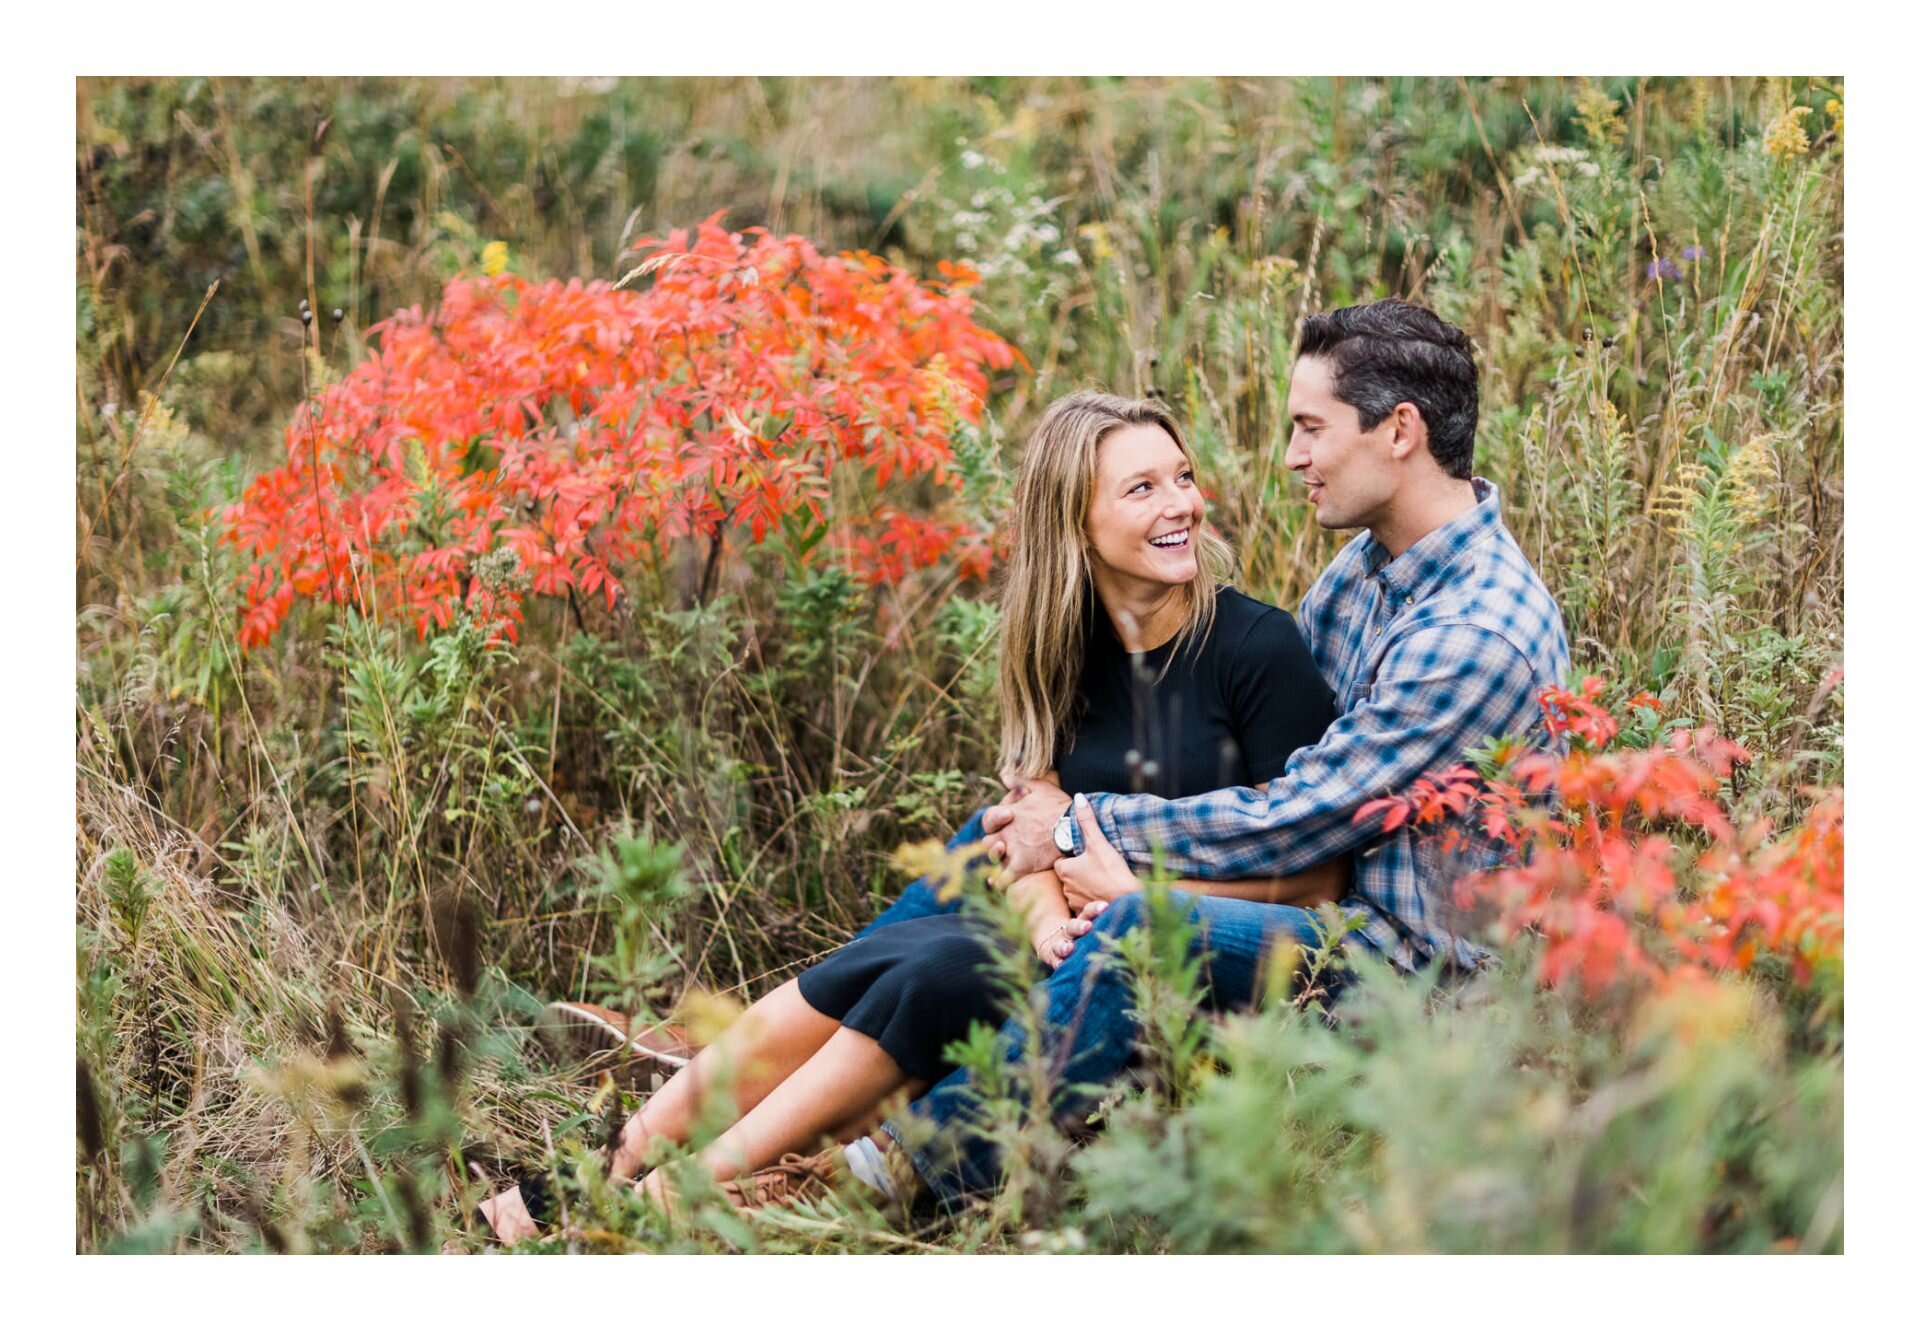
1391, 352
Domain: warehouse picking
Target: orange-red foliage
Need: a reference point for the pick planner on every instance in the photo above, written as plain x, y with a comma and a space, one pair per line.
1616, 902
586, 427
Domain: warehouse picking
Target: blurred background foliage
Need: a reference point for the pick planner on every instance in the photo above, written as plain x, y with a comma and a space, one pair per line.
276, 849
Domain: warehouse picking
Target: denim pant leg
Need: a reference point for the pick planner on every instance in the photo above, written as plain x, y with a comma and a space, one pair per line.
920, 897
1240, 938
1090, 1030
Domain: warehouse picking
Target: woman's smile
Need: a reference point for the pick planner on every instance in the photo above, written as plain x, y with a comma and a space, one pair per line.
1143, 491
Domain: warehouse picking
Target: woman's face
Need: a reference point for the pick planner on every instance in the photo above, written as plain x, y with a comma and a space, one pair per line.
1144, 523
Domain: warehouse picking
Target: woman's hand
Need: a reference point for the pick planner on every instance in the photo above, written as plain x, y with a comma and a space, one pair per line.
1053, 944
1101, 873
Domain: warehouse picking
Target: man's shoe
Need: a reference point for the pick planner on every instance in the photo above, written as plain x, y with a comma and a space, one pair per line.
603, 1040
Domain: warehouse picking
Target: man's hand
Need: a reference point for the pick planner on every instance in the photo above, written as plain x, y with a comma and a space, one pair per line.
1101, 873
1020, 829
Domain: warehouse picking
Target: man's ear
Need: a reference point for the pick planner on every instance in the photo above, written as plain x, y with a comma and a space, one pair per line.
1409, 431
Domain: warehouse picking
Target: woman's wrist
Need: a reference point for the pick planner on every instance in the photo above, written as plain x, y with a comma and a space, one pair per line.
1049, 929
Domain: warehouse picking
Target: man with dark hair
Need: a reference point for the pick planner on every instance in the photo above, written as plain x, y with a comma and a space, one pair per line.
1390, 352
1435, 635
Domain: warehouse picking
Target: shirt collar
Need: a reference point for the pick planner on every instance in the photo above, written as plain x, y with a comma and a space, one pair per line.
1420, 568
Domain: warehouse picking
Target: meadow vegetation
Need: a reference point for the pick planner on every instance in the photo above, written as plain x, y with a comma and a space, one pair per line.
354, 801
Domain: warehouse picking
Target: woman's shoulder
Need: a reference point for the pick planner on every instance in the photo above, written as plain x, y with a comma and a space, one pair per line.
1251, 636
1241, 615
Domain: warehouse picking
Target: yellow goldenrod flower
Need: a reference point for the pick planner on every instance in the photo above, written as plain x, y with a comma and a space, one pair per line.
1786, 137
707, 1014
1095, 234
1599, 117
493, 259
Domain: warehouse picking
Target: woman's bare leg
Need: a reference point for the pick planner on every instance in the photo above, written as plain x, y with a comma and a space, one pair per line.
843, 1084
772, 1038
863, 1121
758, 1052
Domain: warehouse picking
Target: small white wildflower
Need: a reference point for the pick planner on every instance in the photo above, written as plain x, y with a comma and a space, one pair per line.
970, 159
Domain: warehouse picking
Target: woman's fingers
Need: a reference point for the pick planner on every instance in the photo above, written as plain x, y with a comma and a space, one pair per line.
1092, 911
1094, 838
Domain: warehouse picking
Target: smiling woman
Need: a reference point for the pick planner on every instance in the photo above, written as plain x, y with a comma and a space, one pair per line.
1141, 532
1126, 664
1107, 515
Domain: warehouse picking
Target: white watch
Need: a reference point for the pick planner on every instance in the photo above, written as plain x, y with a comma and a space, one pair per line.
1063, 840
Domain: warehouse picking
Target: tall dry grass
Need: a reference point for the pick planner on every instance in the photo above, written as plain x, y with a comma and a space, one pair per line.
289, 856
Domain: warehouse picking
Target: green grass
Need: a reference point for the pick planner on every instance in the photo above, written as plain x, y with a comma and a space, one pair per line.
349, 832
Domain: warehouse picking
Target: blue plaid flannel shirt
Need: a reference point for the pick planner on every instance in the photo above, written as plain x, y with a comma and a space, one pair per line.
1429, 655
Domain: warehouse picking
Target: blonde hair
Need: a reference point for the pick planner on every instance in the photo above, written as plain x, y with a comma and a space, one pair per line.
1046, 602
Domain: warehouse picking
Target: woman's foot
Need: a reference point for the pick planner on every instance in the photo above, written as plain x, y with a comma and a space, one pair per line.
655, 1187
507, 1216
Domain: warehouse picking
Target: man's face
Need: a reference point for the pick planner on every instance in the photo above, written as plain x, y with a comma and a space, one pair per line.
1349, 472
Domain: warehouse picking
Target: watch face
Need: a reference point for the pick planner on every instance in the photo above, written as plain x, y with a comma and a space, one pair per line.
1063, 834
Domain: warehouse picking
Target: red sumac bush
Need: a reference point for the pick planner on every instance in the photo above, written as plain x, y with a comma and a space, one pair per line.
588, 428
1624, 860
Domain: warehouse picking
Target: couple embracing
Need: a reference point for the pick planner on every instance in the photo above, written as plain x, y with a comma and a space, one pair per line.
1246, 741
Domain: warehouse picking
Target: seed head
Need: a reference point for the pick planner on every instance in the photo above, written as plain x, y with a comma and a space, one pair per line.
93, 1133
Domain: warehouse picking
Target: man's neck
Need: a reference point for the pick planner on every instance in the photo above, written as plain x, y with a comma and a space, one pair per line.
1420, 514
1143, 616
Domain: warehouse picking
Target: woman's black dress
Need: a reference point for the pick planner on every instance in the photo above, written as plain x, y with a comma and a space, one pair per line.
1228, 713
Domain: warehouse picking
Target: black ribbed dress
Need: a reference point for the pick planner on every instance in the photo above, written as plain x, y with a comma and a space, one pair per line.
1229, 712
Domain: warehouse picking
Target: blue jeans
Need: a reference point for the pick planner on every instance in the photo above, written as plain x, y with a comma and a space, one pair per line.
1089, 1031
921, 897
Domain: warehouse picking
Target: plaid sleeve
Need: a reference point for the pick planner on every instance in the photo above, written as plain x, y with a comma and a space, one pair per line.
1439, 691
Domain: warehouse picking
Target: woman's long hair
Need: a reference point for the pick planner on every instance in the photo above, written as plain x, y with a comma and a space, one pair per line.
1046, 603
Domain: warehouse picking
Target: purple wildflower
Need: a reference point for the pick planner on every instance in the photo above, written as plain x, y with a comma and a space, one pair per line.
1664, 268
1693, 252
